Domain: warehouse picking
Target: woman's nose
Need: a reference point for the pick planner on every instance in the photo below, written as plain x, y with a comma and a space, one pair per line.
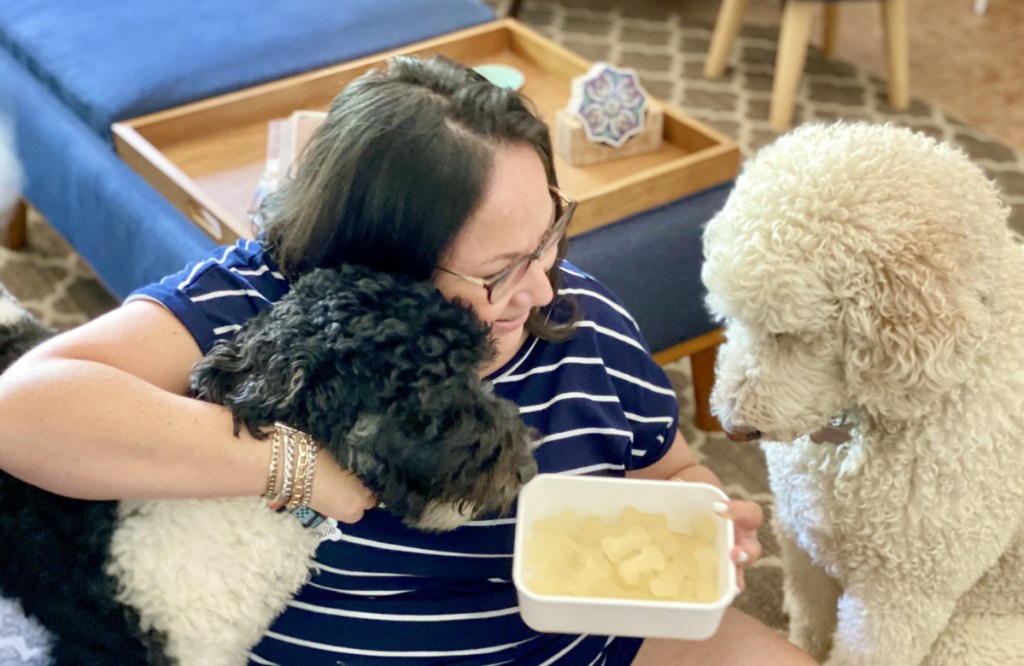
535, 289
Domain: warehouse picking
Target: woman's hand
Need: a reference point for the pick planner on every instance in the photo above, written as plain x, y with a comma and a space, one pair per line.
337, 493
747, 517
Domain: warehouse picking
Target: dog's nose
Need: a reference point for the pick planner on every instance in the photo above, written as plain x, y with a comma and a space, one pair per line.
743, 434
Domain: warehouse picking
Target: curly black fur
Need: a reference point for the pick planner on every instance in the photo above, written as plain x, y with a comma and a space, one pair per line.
382, 371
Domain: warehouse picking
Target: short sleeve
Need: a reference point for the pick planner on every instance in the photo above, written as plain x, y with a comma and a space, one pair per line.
214, 296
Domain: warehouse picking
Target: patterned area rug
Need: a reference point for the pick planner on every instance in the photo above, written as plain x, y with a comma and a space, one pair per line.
668, 52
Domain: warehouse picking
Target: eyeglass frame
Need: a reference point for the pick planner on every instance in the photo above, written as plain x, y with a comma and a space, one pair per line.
550, 238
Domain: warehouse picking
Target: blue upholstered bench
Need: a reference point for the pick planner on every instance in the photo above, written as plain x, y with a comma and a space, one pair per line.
74, 68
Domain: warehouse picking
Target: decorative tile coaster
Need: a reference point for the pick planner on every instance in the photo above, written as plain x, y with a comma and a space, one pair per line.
609, 103
609, 117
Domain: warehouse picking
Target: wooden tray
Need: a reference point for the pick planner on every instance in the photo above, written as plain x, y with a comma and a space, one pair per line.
206, 157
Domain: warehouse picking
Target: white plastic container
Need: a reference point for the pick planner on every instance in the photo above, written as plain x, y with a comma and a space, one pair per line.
548, 494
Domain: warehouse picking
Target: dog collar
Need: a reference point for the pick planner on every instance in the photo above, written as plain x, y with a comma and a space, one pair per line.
838, 430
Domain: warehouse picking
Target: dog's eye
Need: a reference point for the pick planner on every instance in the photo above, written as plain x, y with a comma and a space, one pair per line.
782, 338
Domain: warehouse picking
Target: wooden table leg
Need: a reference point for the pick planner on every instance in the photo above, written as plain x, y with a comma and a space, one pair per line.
16, 232
830, 30
727, 26
794, 32
894, 22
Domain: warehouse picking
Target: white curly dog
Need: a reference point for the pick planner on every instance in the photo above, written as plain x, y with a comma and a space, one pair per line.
873, 301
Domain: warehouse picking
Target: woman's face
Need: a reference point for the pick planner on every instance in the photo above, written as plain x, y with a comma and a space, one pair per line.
513, 216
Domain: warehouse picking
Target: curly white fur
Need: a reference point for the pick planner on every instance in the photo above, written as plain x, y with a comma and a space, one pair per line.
242, 565
868, 270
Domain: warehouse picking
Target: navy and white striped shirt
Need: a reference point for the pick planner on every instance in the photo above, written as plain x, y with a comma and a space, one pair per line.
386, 594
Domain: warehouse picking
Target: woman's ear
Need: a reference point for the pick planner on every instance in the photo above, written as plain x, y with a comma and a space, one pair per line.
256, 386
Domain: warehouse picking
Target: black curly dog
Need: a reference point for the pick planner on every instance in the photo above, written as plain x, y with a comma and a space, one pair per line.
380, 370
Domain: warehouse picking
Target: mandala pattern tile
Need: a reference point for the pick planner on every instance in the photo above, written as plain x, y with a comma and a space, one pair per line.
610, 104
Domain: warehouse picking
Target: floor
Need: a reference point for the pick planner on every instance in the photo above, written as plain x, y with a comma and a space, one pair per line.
969, 66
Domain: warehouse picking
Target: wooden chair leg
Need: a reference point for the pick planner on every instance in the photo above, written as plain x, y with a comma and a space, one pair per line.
894, 22
830, 29
16, 234
702, 366
727, 26
797, 17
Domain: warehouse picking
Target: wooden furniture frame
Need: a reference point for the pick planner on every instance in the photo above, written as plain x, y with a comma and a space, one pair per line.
14, 234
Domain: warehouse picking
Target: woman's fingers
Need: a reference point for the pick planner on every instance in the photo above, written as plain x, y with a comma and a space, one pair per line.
337, 492
747, 517
356, 500
747, 550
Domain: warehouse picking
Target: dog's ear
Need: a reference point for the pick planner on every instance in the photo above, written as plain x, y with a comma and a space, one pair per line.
218, 376
257, 386
436, 458
913, 320
395, 463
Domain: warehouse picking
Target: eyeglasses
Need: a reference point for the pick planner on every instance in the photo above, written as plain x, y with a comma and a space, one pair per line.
501, 283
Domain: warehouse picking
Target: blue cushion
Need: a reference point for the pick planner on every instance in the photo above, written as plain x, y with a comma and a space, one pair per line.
114, 59
121, 226
652, 262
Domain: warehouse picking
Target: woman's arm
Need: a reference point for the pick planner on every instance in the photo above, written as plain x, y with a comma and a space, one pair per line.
679, 462
99, 412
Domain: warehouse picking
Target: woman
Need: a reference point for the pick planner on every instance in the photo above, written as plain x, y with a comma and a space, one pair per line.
423, 169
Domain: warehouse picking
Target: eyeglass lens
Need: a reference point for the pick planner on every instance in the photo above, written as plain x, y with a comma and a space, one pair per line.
517, 271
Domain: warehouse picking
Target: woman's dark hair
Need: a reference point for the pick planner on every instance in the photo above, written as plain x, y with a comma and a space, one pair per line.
397, 168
